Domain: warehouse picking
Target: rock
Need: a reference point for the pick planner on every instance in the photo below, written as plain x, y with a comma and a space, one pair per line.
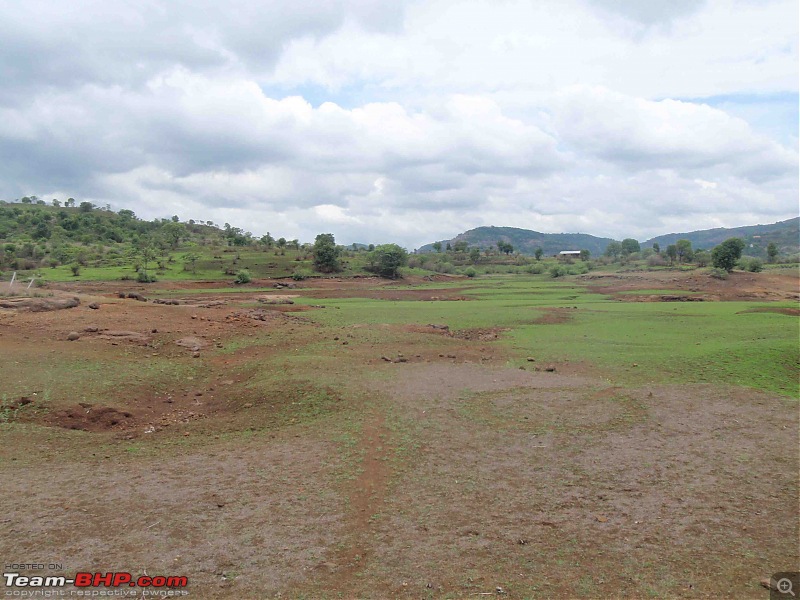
386, 358
73, 335
136, 296
39, 304
401, 359
550, 369
91, 329
192, 342
94, 306
154, 331
530, 359
195, 355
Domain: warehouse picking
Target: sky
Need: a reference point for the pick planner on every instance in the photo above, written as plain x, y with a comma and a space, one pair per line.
406, 121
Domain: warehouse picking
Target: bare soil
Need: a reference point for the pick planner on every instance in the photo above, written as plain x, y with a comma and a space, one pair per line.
738, 286
429, 469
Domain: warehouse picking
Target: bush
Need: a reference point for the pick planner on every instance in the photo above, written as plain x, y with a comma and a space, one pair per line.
470, 272
144, 277
719, 273
444, 267
750, 263
535, 269
301, 274
656, 260
558, 271
76, 269
243, 276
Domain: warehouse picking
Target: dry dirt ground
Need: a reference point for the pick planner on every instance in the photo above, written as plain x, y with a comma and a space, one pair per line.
145, 445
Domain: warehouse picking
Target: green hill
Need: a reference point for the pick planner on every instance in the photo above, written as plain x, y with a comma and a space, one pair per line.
526, 241
785, 235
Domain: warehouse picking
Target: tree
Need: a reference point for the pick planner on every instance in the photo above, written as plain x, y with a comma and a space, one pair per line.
772, 252
437, 246
56, 203
630, 246
144, 249
538, 253
326, 254
460, 246
475, 255
656, 248
613, 250
702, 258
192, 257
86, 207
505, 247
585, 254
727, 253
387, 259
684, 250
173, 232
672, 252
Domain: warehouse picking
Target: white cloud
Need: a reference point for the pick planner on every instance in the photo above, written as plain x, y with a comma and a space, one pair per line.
560, 115
643, 134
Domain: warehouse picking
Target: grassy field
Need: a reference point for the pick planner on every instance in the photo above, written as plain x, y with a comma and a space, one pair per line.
712, 342
553, 441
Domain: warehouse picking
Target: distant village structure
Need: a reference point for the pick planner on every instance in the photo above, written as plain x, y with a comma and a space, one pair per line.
569, 254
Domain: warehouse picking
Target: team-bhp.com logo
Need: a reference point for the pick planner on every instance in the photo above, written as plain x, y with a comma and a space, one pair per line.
97, 580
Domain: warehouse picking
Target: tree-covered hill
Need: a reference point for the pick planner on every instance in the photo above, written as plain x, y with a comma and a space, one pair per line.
526, 241
784, 234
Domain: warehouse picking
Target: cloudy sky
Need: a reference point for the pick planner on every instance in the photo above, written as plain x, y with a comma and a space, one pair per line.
406, 120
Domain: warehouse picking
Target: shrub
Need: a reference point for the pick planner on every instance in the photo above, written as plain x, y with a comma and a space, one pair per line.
656, 260
301, 274
144, 277
470, 272
535, 269
750, 263
558, 271
719, 273
76, 269
243, 276
444, 267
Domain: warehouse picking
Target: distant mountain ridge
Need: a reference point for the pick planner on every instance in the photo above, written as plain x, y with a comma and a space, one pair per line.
784, 234
526, 241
